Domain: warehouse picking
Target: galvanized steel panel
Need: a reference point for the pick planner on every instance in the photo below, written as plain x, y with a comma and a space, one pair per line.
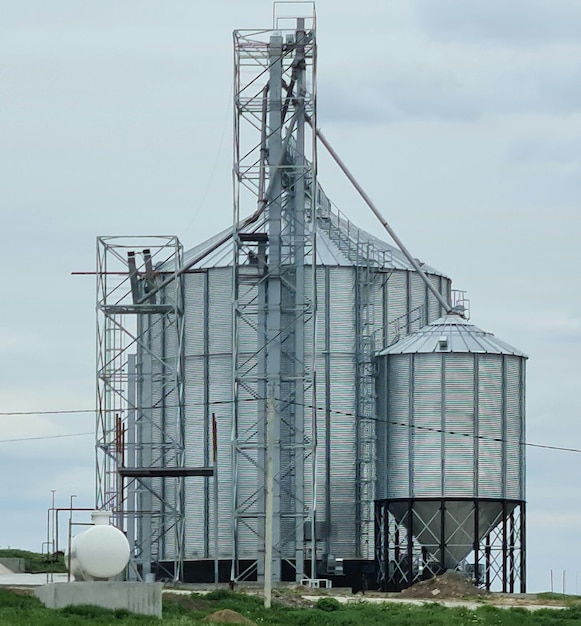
321, 321
490, 428
408, 393
343, 452
195, 322
195, 433
333, 236
418, 302
434, 307
322, 479
398, 416
219, 310
427, 421
220, 373
513, 426
379, 299
397, 305
458, 452
459, 408
461, 337
342, 310
382, 429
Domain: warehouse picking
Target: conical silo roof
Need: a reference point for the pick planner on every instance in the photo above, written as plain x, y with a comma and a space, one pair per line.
451, 333
339, 243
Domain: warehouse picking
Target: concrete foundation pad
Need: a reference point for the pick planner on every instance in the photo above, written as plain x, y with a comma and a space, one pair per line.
143, 598
15, 565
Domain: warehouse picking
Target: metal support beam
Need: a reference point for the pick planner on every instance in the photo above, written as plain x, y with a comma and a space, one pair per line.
427, 531
417, 267
164, 472
140, 398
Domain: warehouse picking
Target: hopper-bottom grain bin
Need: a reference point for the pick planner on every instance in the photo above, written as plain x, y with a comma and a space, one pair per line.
451, 467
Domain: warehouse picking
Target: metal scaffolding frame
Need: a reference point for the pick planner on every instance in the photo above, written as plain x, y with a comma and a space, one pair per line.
140, 397
496, 554
274, 292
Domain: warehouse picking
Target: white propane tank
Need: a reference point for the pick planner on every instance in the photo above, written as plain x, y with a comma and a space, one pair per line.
99, 553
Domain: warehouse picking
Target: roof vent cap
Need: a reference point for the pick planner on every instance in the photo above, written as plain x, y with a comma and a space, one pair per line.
443, 342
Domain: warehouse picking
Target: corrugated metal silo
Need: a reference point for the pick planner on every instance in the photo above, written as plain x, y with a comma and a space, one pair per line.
281, 316
397, 303
451, 464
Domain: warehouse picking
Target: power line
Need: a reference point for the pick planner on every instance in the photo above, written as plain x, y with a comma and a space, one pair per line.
453, 432
46, 437
321, 409
442, 431
17, 413
143, 408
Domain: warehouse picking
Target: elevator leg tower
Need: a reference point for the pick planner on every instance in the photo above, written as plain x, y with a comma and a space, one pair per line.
274, 290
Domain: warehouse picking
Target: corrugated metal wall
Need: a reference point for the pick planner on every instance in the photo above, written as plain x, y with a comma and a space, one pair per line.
208, 371
399, 407
427, 413
196, 395
342, 366
490, 425
451, 424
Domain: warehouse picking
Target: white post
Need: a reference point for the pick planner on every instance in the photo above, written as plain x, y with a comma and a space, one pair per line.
269, 501
215, 477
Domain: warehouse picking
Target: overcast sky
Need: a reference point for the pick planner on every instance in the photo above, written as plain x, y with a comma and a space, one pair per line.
461, 118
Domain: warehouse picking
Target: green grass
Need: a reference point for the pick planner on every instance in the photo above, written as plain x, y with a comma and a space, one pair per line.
17, 608
562, 598
35, 563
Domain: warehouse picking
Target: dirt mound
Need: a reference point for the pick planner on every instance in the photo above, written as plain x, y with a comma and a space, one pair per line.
448, 585
4, 570
226, 616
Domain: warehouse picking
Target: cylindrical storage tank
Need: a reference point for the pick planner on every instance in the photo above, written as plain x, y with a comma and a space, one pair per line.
367, 295
399, 301
99, 553
451, 422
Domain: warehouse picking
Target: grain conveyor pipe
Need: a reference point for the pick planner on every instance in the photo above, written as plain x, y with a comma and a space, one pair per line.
439, 297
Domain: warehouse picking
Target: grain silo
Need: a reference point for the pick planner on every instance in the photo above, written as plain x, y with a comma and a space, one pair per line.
265, 334
281, 313
396, 299
451, 464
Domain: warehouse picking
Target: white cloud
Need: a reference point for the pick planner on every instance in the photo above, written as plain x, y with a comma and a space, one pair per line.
514, 23
450, 82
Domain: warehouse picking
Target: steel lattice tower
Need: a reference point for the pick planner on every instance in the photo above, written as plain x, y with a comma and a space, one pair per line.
140, 396
274, 289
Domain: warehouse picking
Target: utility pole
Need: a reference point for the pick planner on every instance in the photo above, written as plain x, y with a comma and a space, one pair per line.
215, 459
269, 487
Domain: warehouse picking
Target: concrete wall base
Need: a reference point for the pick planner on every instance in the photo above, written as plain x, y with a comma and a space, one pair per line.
144, 598
16, 565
